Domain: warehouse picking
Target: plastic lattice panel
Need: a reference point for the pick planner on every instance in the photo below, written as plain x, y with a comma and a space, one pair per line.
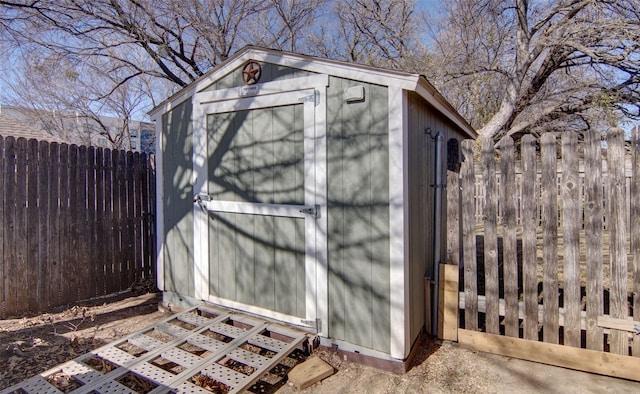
152, 373
145, 342
267, 343
167, 356
81, 372
181, 357
205, 342
194, 319
38, 384
173, 330
228, 330
225, 375
116, 355
246, 357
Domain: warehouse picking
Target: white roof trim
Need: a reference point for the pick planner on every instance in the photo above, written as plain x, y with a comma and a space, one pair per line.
374, 75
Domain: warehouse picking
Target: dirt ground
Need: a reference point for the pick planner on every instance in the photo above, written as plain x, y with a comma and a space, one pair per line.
32, 345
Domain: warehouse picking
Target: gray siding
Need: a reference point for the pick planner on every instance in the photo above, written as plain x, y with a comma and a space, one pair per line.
257, 156
421, 151
270, 72
177, 202
358, 216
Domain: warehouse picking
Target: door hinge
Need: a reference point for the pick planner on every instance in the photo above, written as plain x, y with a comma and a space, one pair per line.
317, 323
314, 211
312, 98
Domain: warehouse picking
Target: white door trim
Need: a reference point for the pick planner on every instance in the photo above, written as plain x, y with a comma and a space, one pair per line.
311, 93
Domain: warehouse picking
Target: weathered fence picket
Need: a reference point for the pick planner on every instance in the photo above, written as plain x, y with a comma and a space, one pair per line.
634, 245
75, 223
491, 274
617, 238
593, 208
469, 237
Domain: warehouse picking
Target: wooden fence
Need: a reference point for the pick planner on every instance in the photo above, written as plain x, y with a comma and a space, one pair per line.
542, 277
76, 223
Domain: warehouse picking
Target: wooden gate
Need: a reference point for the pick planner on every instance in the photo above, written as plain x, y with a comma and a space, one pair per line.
544, 252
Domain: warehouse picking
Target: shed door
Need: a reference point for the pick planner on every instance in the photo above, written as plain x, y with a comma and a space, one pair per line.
260, 201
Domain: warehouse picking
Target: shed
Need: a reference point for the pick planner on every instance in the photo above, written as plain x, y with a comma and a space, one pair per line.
304, 190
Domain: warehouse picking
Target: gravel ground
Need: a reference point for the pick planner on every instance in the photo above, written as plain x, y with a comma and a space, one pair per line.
32, 345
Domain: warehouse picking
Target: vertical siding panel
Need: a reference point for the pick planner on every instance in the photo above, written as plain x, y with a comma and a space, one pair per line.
335, 218
265, 262
45, 269
32, 258
22, 271
357, 175
178, 200
379, 243
215, 228
617, 233
549, 194
10, 257
418, 240
55, 224
227, 254
215, 282
529, 238
266, 165
299, 258
245, 231
285, 265
299, 224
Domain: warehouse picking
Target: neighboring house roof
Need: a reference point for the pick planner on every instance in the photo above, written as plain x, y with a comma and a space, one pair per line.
407, 81
13, 128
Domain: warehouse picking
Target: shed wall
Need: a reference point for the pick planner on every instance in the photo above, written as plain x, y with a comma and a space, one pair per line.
270, 72
177, 199
424, 118
358, 216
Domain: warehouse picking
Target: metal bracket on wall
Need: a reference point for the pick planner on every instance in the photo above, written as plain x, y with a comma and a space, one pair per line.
317, 323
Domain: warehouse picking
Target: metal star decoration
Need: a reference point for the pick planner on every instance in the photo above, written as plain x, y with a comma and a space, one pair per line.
251, 72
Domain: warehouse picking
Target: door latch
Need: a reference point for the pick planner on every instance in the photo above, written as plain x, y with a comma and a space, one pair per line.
314, 211
200, 197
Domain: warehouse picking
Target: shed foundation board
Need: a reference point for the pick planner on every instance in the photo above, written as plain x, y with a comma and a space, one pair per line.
187, 352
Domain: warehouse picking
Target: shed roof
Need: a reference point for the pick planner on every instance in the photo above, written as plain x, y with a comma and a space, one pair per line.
10, 127
408, 81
